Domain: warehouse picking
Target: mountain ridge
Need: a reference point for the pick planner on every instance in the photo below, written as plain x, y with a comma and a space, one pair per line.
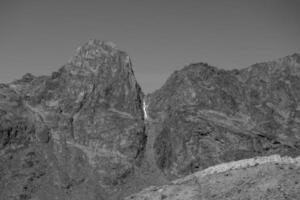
88, 130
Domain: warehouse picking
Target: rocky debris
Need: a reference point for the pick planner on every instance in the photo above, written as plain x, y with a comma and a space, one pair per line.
209, 115
241, 164
77, 134
272, 177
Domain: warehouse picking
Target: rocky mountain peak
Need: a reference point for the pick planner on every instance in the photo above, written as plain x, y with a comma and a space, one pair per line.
96, 46
103, 60
198, 66
195, 69
81, 133
96, 50
200, 109
295, 56
84, 123
293, 60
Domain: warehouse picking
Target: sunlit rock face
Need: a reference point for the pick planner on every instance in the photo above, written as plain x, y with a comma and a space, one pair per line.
76, 134
209, 116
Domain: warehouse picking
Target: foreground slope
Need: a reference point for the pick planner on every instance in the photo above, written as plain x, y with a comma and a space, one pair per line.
205, 115
77, 134
273, 178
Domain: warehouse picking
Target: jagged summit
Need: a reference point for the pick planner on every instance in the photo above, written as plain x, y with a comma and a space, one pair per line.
288, 58
197, 65
294, 56
96, 48
283, 62
194, 69
82, 126
200, 71
96, 54
28, 77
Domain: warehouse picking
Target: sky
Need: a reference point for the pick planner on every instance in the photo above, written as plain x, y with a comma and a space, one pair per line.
39, 37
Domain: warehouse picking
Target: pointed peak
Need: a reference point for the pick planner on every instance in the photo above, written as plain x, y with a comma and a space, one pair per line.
293, 58
94, 49
295, 55
97, 45
200, 67
28, 76
96, 42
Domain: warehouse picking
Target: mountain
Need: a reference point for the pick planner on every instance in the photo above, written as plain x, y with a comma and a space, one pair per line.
87, 131
206, 116
76, 134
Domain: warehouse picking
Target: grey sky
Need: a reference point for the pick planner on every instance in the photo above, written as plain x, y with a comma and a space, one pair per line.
160, 36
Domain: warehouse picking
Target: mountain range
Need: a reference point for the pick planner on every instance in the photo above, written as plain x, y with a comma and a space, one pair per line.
87, 131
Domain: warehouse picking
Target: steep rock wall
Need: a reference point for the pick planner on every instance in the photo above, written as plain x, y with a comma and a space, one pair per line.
209, 115
77, 134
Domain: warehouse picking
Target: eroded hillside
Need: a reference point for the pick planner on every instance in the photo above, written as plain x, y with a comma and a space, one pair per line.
272, 177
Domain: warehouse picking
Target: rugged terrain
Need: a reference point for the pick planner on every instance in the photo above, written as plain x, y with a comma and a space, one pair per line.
273, 177
77, 134
88, 132
208, 115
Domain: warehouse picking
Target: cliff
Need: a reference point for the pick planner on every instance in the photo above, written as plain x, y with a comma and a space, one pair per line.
77, 134
205, 115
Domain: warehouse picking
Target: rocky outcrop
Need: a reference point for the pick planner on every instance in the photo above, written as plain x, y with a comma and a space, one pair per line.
209, 115
77, 134
272, 177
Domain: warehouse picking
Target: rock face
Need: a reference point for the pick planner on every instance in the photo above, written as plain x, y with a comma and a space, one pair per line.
77, 134
88, 132
273, 177
209, 116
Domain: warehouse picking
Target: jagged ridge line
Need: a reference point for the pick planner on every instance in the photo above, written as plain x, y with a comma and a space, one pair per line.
239, 165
